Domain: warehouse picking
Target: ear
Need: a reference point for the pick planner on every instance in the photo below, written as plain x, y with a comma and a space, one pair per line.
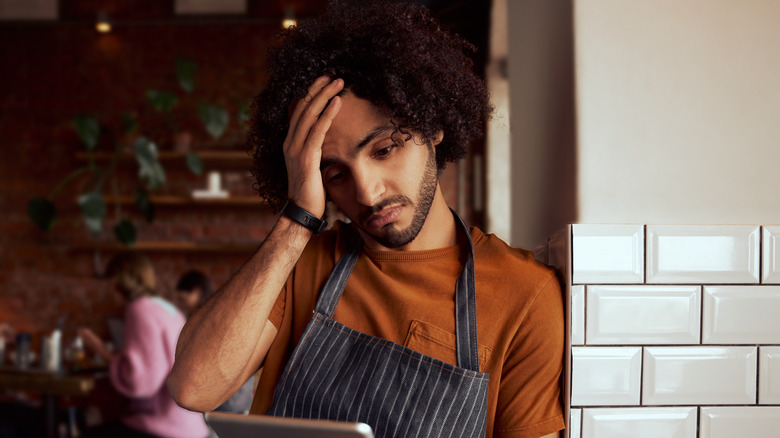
438, 138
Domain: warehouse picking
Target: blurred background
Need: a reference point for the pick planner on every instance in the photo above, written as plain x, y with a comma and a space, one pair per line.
606, 112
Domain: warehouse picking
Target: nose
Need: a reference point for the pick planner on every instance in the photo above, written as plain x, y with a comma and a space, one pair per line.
368, 186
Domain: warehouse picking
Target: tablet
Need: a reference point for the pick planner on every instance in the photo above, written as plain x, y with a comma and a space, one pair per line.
231, 425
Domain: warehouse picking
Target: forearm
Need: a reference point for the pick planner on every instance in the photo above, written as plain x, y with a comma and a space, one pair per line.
222, 344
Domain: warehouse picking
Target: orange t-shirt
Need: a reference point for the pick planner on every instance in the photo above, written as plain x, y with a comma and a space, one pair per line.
407, 297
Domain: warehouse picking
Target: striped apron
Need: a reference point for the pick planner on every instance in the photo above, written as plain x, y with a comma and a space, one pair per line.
337, 373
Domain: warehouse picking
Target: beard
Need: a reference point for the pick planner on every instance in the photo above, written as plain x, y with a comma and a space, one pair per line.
395, 238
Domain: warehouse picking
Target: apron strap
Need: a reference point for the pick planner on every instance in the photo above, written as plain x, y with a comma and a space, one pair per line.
334, 287
465, 296
466, 309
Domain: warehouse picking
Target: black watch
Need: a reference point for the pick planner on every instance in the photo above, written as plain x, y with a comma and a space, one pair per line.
303, 217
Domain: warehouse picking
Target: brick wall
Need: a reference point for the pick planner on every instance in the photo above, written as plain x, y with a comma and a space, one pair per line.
52, 71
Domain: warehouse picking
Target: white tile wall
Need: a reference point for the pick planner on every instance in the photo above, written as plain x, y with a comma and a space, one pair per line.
699, 375
741, 315
703, 254
639, 423
575, 423
577, 315
737, 422
771, 255
769, 371
643, 314
608, 253
606, 376
692, 312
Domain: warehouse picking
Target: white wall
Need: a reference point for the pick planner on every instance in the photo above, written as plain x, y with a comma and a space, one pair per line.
678, 107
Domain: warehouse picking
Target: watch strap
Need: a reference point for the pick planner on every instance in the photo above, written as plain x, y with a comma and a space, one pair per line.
303, 217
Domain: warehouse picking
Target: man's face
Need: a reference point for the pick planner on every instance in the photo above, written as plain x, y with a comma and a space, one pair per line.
384, 183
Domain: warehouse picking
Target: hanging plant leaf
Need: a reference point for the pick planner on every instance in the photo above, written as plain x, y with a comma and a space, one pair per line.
162, 101
194, 163
88, 130
128, 123
215, 119
149, 167
93, 207
125, 232
185, 71
145, 204
42, 212
244, 113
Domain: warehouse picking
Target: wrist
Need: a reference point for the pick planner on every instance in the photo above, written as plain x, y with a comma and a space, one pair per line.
303, 217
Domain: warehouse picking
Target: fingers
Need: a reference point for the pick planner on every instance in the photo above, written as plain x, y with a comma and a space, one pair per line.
301, 104
309, 109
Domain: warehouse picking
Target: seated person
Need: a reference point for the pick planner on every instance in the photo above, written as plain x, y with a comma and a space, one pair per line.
139, 368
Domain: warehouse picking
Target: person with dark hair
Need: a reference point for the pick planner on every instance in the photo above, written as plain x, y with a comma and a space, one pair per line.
192, 290
404, 318
139, 368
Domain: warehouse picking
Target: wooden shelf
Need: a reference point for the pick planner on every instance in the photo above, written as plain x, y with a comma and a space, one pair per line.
165, 246
213, 157
177, 200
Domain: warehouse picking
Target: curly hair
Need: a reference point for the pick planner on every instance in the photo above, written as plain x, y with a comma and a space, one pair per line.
396, 56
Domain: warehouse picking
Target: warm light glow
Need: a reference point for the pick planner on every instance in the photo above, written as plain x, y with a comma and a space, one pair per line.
289, 22
103, 26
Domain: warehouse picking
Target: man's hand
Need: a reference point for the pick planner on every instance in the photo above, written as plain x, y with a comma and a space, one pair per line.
310, 120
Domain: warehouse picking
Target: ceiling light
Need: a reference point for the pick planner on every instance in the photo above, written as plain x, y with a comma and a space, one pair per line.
289, 19
103, 24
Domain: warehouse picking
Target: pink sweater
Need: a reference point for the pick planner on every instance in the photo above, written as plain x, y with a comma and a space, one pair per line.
140, 368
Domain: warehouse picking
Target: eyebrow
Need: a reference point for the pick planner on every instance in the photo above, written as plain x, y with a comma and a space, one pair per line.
365, 141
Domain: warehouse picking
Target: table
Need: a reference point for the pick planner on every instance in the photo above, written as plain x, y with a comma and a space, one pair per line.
51, 386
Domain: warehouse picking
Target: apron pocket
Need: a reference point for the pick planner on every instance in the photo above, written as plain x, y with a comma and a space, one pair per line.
439, 343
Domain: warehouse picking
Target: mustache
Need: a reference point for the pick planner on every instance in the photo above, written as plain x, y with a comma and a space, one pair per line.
381, 205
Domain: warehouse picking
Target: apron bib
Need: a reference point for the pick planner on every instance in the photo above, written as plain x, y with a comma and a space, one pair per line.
338, 373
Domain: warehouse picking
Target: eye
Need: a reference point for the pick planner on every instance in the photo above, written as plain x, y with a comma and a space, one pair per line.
333, 176
385, 151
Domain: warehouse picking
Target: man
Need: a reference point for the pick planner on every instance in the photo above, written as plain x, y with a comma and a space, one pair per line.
404, 319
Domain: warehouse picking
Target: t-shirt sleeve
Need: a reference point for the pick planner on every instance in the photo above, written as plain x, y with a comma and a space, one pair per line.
529, 395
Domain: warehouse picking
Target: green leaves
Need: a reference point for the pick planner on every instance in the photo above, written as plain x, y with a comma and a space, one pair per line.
215, 119
194, 163
185, 71
162, 101
125, 232
144, 203
149, 168
93, 208
88, 130
42, 212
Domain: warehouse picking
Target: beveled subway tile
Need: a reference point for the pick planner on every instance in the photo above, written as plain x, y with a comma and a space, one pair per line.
575, 423
699, 375
578, 315
620, 315
740, 421
769, 376
703, 254
608, 253
771, 254
639, 422
606, 376
741, 315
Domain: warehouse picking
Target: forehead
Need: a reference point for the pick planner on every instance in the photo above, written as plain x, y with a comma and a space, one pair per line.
357, 118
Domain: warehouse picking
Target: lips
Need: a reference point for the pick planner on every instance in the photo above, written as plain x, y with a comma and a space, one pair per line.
384, 217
